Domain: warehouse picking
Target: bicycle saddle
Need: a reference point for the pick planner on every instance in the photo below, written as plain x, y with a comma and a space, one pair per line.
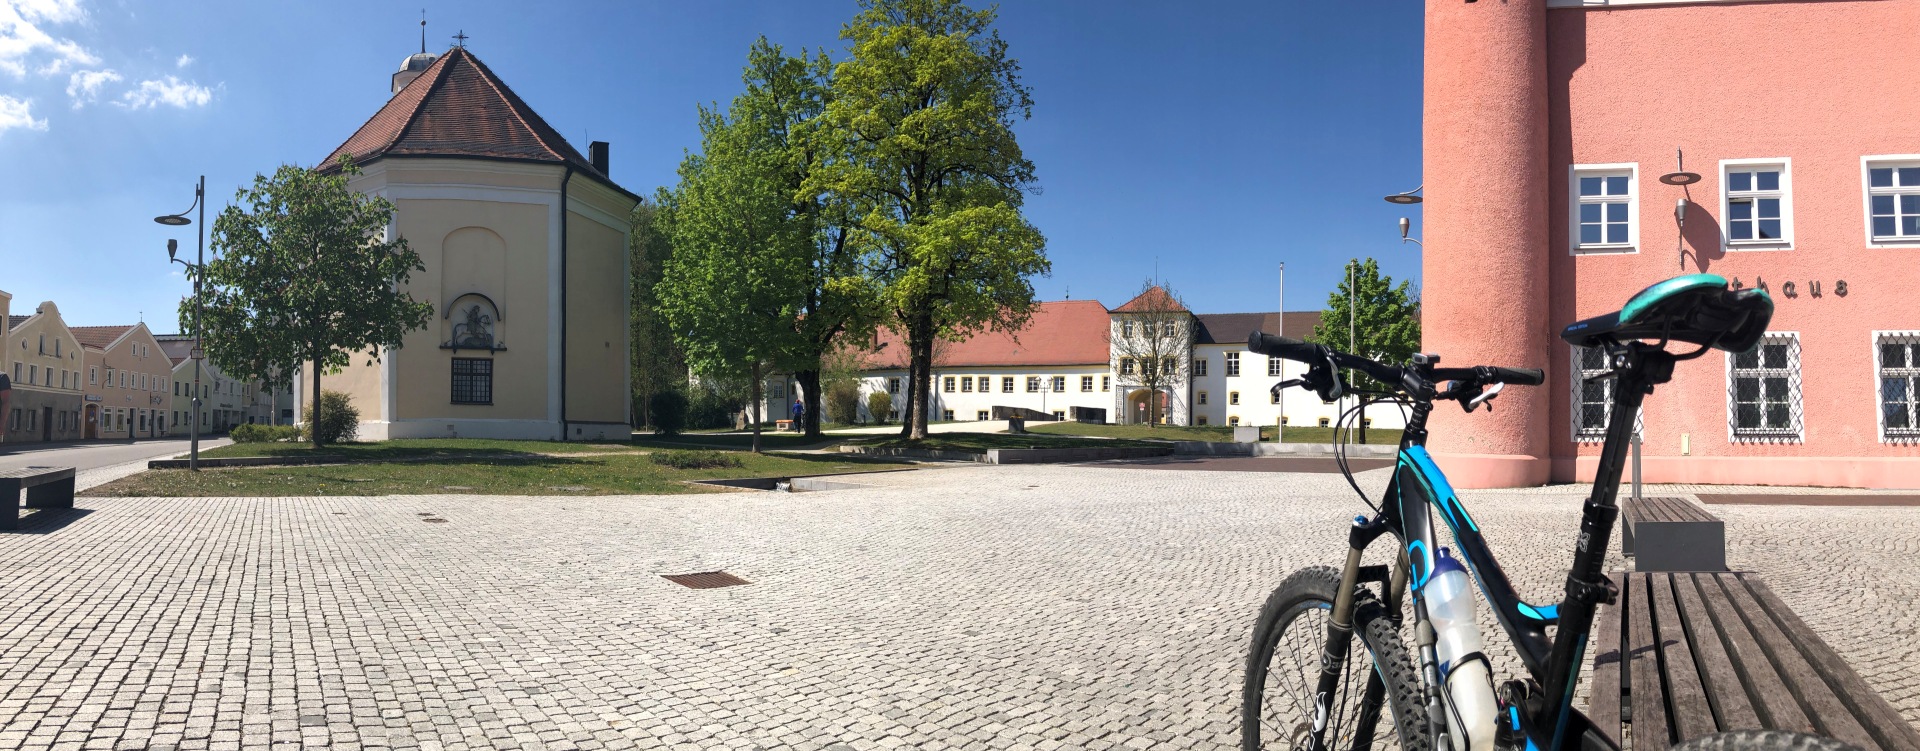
1696, 308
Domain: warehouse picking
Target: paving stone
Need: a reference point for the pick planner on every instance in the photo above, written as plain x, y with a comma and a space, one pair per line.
1044, 607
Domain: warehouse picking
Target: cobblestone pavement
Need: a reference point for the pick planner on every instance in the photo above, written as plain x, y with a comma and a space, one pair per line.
964, 607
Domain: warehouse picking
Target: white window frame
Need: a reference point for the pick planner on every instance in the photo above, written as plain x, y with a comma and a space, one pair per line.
1795, 433
1911, 433
982, 415
1785, 194
1059, 384
1106, 383
947, 385
1201, 398
1615, 169
1867, 192
1086, 384
1233, 398
1273, 367
1006, 384
1200, 365
1033, 384
1233, 364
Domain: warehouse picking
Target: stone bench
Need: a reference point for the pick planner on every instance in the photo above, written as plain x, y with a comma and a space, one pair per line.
1671, 534
1682, 655
47, 487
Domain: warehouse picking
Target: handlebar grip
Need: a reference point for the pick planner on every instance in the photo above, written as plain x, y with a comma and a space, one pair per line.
1260, 342
1520, 376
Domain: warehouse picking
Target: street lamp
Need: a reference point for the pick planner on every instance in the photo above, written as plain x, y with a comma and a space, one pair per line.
1409, 197
173, 249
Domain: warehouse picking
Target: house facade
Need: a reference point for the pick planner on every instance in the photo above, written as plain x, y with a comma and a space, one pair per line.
43, 363
224, 401
1577, 114
129, 382
1081, 354
524, 243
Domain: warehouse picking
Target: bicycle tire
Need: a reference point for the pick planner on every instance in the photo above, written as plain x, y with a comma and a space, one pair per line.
1764, 740
1305, 592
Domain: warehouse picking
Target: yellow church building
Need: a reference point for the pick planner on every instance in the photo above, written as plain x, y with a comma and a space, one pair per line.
524, 241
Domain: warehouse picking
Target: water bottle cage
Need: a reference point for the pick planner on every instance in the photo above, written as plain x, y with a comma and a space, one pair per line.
1446, 668
1455, 722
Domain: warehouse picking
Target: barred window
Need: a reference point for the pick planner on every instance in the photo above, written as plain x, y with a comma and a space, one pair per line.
1763, 390
472, 380
1592, 395
1899, 373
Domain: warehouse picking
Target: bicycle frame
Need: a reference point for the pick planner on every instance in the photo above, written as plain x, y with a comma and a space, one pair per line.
1417, 493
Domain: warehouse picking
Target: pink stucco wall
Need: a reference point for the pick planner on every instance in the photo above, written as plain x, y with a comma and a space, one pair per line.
1486, 187
1813, 82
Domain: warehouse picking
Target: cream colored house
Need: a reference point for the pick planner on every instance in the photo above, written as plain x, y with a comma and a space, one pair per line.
524, 241
129, 382
43, 365
224, 401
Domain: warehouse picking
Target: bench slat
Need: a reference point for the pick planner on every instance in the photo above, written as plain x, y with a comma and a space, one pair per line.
1605, 689
1890, 729
1806, 685
1722, 683
1692, 716
1777, 707
1643, 671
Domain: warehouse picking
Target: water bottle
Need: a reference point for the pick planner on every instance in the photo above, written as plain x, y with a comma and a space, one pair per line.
1464, 676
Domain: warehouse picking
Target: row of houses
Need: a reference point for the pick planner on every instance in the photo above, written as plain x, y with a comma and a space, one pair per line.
1080, 360
74, 383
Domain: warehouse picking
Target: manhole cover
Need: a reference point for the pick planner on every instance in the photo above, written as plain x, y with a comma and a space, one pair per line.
434, 521
707, 580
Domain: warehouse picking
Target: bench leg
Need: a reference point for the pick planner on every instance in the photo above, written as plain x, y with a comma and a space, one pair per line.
9, 509
51, 495
1626, 539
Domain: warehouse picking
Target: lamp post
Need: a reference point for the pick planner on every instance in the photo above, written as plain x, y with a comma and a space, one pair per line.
200, 259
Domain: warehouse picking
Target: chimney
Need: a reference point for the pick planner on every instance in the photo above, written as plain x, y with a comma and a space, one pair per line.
597, 156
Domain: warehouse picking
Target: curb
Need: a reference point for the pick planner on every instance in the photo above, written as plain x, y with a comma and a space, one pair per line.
1209, 448
247, 461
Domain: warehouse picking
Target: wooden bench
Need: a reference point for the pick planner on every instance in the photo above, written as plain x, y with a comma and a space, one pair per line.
1671, 534
47, 487
782, 424
1711, 652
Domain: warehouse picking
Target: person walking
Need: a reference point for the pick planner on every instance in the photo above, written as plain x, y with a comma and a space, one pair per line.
799, 415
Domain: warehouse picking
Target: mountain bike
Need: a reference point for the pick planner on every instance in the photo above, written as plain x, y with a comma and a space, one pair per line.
1303, 687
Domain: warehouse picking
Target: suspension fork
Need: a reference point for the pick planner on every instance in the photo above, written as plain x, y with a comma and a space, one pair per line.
1375, 697
1339, 641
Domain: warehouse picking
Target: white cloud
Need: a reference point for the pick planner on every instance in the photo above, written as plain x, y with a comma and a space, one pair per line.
171, 91
84, 87
16, 113
21, 36
184, 61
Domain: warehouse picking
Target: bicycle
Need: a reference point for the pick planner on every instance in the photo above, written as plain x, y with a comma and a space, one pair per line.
1324, 696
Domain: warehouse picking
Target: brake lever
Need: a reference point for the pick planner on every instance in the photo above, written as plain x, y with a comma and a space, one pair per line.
1287, 384
1485, 397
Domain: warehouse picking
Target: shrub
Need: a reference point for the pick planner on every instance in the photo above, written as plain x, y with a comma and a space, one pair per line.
842, 402
335, 420
255, 433
879, 403
709, 411
695, 459
667, 411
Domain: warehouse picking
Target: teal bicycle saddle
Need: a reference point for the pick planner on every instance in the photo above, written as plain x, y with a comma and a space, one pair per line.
1696, 308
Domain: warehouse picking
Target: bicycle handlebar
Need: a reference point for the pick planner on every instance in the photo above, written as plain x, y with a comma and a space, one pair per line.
1316, 356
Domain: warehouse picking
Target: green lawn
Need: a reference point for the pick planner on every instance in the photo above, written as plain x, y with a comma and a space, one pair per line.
413, 448
1217, 433
979, 443
588, 473
769, 440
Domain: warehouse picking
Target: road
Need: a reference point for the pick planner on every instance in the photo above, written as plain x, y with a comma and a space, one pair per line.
96, 454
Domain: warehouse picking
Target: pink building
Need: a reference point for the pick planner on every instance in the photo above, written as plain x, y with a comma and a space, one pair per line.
1549, 125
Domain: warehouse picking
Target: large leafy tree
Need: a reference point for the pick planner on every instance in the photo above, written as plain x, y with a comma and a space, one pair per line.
658, 364
1371, 316
304, 277
920, 122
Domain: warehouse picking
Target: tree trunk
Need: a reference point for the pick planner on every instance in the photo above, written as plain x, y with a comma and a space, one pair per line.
757, 399
906, 400
313, 420
810, 400
921, 340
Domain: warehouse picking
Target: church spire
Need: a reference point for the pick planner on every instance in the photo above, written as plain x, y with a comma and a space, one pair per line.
423, 31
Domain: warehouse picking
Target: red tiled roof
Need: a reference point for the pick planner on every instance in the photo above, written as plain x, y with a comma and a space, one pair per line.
98, 337
457, 107
1154, 300
1066, 332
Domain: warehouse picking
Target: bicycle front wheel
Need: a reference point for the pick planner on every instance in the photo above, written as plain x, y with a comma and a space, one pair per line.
1376, 703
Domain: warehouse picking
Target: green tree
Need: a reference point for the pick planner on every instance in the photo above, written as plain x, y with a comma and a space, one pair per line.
1382, 321
303, 277
923, 155
658, 364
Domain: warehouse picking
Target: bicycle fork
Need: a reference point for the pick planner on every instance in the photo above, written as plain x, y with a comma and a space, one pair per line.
1339, 642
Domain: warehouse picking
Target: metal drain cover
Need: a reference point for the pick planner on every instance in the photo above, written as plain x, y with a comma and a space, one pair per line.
706, 580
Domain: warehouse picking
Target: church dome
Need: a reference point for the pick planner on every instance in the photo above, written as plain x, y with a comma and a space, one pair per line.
417, 62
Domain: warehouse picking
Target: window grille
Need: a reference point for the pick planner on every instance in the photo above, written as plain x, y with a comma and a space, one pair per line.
1897, 357
1763, 391
472, 380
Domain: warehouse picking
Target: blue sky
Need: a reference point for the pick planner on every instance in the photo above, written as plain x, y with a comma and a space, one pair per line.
1213, 142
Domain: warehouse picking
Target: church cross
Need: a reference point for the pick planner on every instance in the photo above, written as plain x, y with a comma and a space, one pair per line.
460, 39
